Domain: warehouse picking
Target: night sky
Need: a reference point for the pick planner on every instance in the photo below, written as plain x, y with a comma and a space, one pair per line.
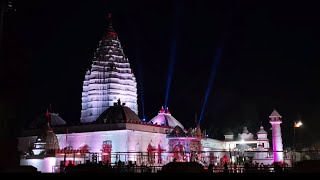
268, 60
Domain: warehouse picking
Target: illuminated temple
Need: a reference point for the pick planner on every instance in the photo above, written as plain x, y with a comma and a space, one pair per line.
109, 79
110, 130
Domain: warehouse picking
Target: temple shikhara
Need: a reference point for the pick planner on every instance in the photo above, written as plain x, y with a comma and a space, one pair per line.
109, 79
110, 130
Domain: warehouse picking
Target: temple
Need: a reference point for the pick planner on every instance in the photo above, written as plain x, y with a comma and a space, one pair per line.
110, 131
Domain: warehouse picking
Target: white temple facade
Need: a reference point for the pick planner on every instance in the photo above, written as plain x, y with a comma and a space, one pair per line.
109, 79
111, 132
118, 135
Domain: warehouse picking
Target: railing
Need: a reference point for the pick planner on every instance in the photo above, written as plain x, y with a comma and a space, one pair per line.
270, 169
108, 169
157, 169
152, 162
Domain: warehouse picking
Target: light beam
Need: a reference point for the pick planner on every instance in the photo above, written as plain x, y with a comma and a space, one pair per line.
173, 47
212, 76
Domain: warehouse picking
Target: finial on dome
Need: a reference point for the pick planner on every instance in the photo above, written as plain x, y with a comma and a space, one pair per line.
161, 110
262, 131
109, 18
110, 31
167, 111
48, 117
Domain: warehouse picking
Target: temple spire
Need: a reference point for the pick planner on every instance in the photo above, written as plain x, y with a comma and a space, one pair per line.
110, 31
109, 19
107, 60
48, 117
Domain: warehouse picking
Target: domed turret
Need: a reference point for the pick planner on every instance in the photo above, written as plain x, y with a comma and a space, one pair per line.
262, 134
166, 119
46, 141
245, 130
262, 131
246, 135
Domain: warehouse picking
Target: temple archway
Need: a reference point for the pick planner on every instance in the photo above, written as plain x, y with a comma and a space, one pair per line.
179, 152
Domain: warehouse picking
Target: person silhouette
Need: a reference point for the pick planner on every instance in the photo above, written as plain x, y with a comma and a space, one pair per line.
225, 168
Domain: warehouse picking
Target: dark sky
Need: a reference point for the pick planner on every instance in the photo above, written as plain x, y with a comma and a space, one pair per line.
269, 59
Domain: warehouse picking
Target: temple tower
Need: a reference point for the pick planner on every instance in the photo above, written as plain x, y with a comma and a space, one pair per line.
109, 79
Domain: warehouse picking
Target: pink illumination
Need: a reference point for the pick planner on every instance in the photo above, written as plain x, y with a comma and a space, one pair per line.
101, 85
181, 147
161, 110
106, 152
167, 111
275, 120
112, 34
67, 136
165, 119
48, 117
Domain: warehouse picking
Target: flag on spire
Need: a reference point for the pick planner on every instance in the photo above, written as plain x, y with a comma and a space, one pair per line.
48, 116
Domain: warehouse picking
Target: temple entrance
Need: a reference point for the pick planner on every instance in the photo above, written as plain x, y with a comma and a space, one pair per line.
178, 153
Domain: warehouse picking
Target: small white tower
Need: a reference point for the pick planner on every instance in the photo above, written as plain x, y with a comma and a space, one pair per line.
262, 134
275, 120
263, 138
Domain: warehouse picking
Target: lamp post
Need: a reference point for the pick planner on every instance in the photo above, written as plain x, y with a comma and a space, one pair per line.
296, 125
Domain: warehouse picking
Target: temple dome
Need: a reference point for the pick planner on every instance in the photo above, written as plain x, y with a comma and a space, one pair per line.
117, 114
56, 120
262, 134
245, 130
261, 131
245, 135
166, 119
49, 138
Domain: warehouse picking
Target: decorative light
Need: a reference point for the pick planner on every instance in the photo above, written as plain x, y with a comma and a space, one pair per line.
298, 124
